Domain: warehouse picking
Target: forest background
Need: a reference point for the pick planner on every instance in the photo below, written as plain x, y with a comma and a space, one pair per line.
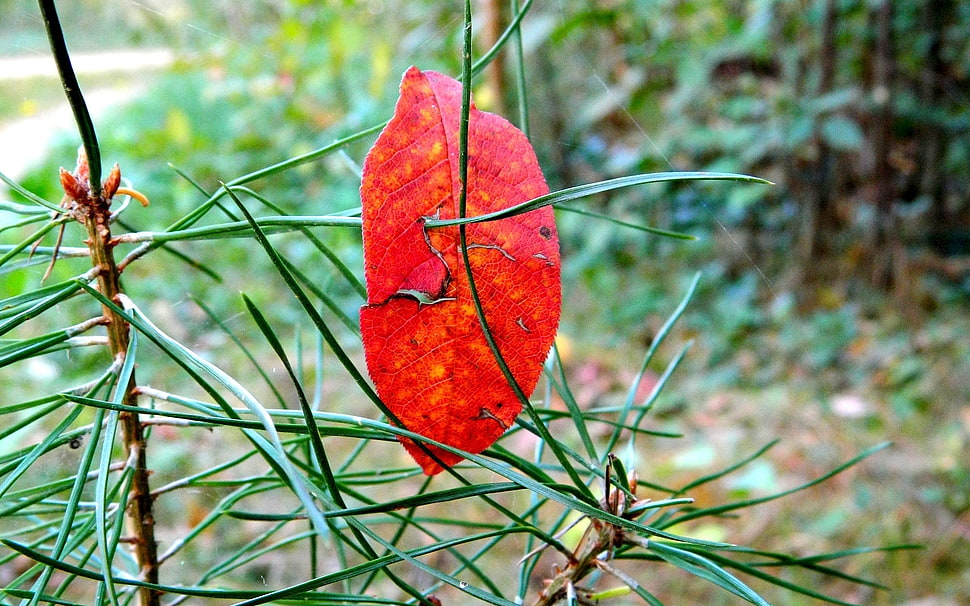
833, 307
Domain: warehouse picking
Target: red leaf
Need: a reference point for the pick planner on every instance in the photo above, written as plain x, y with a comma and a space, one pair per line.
424, 344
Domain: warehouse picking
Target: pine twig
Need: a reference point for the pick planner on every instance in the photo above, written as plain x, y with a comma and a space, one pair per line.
596, 547
93, 210
88, 200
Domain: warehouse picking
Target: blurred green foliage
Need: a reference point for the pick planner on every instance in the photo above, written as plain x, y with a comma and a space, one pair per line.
648, 86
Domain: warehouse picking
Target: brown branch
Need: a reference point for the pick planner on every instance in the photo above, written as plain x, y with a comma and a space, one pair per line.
93, 210
596, 547
600, 538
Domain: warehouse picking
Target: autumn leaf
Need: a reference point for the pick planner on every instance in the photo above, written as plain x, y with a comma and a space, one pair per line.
424, 345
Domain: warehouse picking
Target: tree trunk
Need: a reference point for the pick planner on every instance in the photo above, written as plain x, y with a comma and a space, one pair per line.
493, 23
887, 258
820, 219
932, 139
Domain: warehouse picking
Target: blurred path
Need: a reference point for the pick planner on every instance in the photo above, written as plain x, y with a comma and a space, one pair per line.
25, 139
118, 61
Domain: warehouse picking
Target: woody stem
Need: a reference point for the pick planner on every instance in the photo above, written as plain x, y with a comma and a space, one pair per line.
141, 522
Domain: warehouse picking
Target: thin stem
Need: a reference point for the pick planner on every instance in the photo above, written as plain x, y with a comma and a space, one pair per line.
466, 78
72, 89
93, 209
466, 96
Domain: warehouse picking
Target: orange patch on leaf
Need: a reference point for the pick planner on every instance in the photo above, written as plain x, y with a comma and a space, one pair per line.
424, 345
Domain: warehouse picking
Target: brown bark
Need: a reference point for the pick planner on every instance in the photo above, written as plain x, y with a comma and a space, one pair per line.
493, 19
821, 221
932, 140
94, 212
886, 246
